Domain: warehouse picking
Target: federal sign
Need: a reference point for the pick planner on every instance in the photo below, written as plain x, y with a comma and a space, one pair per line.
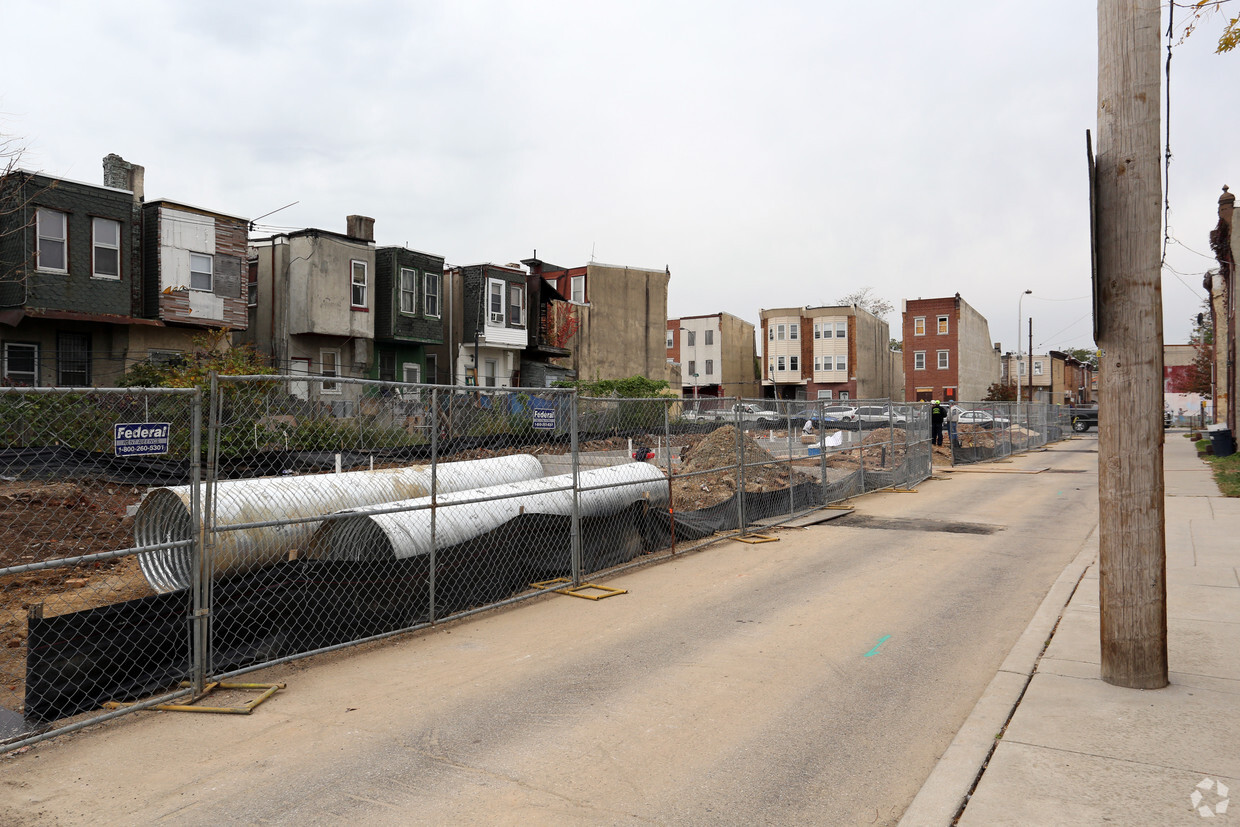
544, 416
139, 439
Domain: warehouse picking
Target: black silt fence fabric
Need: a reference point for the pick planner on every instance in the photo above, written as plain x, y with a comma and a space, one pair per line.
129, 650
61, 463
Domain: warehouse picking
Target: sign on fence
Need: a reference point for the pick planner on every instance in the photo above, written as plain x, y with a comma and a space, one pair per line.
139, 439
544, 416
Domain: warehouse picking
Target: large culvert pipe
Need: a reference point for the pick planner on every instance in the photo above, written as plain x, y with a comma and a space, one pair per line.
164, 514
401, 534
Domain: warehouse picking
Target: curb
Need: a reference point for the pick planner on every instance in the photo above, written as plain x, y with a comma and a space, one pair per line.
946, 790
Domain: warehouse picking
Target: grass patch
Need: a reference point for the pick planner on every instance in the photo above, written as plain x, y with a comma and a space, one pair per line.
1227, 474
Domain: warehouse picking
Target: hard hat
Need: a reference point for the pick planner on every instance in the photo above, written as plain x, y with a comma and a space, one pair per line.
934, 401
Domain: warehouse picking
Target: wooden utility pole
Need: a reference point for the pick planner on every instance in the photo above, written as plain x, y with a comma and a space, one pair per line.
1128, 330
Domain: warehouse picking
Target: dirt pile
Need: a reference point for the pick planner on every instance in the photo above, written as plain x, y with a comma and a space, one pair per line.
715, 456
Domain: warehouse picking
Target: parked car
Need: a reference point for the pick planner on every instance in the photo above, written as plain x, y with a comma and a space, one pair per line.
983, 419
881, 414
1167, 418
1083, 418
839, 413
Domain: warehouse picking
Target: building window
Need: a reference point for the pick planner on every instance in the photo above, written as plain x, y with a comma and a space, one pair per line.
329, 365
73, 360
794, 363
841, 330
919, 326
949, 394
106, 249
942, 325
432, 370
1037, 368
692, 368
21, 365
496, 300
516, 305
430, 294
794, 330
770, 334
387, 366
671, 340
408, 290
919, 360
411, 372
489, 372
780, 332
251, 291
577, 289
690, 338
53, 233
358, 269
817, 363
824, 394
201, 272
779, 363
710, 337
843, 395
944, 359
841, 363
710, 367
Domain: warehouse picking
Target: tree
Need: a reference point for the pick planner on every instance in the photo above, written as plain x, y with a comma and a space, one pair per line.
866, 300
1000, 392
1230, 37
1082, 354
1199, 377
16, 194
896, 345
211, 353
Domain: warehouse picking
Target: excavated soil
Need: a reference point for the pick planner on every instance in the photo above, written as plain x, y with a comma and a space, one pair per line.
716, 455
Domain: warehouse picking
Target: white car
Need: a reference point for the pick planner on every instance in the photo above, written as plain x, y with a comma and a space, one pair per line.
880, 414
983, 419
839, 413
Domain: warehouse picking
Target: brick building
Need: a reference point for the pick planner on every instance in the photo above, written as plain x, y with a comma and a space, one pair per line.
948, 354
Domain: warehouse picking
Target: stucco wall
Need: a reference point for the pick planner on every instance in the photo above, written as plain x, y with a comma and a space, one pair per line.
976, 354
623, 327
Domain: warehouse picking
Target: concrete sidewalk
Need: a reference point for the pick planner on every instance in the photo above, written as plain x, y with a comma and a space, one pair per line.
1080, 751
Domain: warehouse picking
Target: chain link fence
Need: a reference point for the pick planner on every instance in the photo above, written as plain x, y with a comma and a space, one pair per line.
986, 431
317, 512
79, 619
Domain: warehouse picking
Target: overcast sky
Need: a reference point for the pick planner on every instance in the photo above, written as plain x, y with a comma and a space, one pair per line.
772, 155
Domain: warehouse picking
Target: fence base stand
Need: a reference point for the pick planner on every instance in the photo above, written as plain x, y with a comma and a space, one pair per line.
246, 708
581, 591
756, 538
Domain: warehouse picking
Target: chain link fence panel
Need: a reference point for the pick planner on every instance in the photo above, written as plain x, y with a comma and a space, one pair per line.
79, 621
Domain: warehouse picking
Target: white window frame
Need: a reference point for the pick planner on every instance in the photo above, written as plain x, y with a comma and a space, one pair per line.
780, 332
770, 333
577, 289
490, 373
710, 367
794, 331
794, 364
251, 291
516, 304
200, 265
843, 395
841, 362
495, 301
944, 359
824, 394
841, 330
358, 287
919, 325
671, 339
817, 363
1037, 368
43, 229
430, 294
97, 245
11, 377
817, 330
780, 363
944, 325
332, 355
408, 291
408, 368
919, 360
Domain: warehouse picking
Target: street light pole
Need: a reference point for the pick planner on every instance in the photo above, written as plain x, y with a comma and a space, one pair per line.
1020, 316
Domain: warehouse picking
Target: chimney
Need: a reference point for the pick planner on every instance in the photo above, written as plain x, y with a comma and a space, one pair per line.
360, 226
1226, 203
122, 175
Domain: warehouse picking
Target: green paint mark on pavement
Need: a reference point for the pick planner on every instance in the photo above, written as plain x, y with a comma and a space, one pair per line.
881, 641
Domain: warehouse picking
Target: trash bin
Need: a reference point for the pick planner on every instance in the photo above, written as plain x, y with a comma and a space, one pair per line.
1221, 441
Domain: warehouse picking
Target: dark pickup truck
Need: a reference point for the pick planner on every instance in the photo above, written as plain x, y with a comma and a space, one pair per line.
1083, 418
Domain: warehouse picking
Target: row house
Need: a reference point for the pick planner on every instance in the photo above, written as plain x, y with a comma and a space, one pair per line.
716, 355
620, 315
948, 354
314, 308
1054, 377
489, 325
94, 280
409, 316
835, 352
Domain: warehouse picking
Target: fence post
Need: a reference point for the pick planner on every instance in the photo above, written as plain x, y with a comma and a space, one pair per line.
198, 644
740, 471
792, 500
822, 447
433, 563
891, 434
207, 526
575, 525
671, 505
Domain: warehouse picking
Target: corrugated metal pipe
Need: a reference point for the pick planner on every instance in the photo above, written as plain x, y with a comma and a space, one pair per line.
164, 514
403, 534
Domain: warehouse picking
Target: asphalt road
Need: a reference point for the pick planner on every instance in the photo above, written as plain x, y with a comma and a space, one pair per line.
810, 681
